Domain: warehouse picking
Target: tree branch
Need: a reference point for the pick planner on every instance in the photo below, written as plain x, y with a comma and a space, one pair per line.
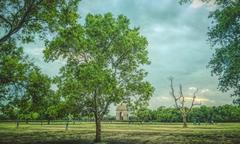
7, 21
173, 93
193, 100
105, 108
28, 7
181, 96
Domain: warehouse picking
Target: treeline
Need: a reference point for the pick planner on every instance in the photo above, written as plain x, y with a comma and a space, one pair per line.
224, 113
202, 114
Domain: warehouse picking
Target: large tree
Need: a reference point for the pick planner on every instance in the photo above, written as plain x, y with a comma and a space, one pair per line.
224, 35
104, 64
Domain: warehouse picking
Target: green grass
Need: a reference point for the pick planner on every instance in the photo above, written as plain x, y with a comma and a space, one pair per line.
123, 133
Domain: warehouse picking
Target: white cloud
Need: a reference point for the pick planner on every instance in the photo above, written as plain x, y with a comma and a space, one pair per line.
196, 4
204, 90
157, 101
192, 88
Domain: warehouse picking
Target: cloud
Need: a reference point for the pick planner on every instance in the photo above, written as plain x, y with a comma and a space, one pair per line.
204, 90
199, 3
196, 4
157, 101
192, 88
197, 99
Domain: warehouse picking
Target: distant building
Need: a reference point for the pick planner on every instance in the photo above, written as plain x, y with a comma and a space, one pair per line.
122, 112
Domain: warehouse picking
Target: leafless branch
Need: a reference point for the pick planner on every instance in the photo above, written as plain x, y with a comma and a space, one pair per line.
173, 93
193, 100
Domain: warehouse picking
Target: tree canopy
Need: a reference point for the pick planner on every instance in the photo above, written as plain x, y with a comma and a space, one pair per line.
14, 67
23, 19
201, 114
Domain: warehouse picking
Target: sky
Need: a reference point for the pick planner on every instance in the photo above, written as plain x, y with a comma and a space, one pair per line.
178, 46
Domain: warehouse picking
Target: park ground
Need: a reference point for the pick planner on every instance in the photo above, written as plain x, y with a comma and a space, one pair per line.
120, 133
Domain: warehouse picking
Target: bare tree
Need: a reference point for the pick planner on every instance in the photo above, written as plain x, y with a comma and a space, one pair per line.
180, 102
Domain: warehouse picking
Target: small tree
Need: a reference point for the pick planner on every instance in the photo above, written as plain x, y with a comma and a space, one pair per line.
180, 102
143, 114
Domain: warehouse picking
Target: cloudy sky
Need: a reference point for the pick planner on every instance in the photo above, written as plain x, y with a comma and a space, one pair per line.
177, 45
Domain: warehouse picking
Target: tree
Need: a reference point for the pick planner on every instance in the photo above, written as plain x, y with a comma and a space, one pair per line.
103, 64
37, 93
22, 19
224, 35
31, 95
180, 102
37, 89
143, 114
55, 110
14, 67
22, 85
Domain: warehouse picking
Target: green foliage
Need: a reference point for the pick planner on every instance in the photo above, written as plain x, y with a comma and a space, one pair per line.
224, 35
22, 85
14, 67
32, 98
56, 110
34, 115
37, 94
167, 115
29, 116
143, 114
52, 112
37, 89
25, 18
103, 58
225, 113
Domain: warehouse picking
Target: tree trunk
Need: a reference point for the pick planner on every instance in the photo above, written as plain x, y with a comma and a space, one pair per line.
98, 128
17, 123
66, 128
184, 121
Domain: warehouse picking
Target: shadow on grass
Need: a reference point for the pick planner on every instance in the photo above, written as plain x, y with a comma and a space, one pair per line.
35, 136
68, 142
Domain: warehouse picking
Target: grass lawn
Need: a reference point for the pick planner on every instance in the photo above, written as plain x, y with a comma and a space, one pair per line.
120, 133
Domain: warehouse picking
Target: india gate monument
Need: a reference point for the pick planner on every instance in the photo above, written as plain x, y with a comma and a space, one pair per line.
122, 112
